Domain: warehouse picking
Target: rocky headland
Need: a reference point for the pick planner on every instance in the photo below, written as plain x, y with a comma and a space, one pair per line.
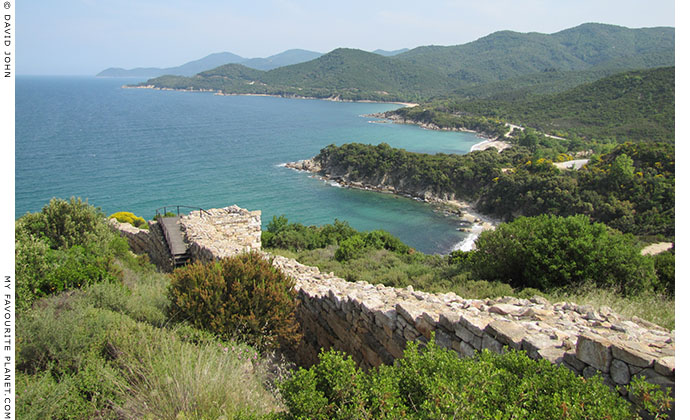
470, 220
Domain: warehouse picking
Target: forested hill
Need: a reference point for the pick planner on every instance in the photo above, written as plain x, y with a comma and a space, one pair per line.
506, 54
636, 105
594, 50
344, 73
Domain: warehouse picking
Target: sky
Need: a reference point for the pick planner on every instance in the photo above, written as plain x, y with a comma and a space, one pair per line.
83, 37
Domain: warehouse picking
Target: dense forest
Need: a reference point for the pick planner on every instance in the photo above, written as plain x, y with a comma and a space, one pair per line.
635, 105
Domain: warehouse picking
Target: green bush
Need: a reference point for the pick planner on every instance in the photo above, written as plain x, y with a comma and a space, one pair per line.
350, 248
131, 218
295, 236
435, 384
89, 393
66, 223
665, 267
547, 252
66, 245
244, 297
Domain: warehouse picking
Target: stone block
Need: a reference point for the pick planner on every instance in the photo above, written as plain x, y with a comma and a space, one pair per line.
424, 328
506, 332
588, 372
570, 358
552, 354
666, 366
464, 349
465, 335
395, 347
505, 309
620, 372
449, 320
386, 318
431, 318
595, 351
492, 344
371, 357
632, 353
410, 334
532, 343
443, 339
408, 311
476, 324
654, 377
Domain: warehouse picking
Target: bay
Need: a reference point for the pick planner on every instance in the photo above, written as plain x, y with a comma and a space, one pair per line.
138, 150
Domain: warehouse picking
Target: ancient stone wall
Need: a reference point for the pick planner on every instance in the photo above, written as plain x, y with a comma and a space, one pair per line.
373, 322
143, 241
219, 233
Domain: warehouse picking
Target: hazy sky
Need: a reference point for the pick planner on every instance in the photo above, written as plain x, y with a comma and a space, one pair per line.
87, 36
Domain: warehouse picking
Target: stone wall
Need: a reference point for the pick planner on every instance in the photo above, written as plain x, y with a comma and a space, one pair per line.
373, 322
143, 241
219, 233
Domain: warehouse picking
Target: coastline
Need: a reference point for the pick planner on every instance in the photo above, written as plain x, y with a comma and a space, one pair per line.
220, 93
485, 144
464, 211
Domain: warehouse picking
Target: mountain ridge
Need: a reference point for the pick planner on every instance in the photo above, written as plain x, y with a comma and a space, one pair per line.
210, 61
425, 73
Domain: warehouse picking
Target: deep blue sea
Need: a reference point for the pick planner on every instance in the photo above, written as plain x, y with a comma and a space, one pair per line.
138, 150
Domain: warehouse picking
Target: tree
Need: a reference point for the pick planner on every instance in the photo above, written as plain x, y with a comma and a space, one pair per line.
547, 252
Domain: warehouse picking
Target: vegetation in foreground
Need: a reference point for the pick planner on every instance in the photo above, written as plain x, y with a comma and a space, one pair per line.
109, 349
105, 347
434, 383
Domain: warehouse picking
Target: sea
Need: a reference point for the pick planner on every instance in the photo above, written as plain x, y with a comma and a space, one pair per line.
139, 150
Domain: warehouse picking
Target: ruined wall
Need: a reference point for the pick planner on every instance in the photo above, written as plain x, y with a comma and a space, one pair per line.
219, 233
373, 322
143, 241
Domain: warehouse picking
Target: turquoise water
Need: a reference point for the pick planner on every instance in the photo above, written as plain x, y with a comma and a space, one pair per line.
138, 150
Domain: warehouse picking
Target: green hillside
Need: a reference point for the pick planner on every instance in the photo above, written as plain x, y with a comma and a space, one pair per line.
344, 73
503, 63
636, 105
506, 54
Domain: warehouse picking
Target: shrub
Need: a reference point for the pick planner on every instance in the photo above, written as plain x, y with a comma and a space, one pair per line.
380, 239
66, 245
131, 218
665, 267
244, 296
435, 384
350, 248
65, 223
547, 252
89, 393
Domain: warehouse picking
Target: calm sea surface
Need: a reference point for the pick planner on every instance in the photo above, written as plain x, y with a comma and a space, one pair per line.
138, 150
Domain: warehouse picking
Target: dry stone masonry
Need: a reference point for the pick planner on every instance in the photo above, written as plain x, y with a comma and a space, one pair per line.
220, 233
373, 322
143, 241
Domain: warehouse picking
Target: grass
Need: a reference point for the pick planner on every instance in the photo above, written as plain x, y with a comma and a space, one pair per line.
171, 379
